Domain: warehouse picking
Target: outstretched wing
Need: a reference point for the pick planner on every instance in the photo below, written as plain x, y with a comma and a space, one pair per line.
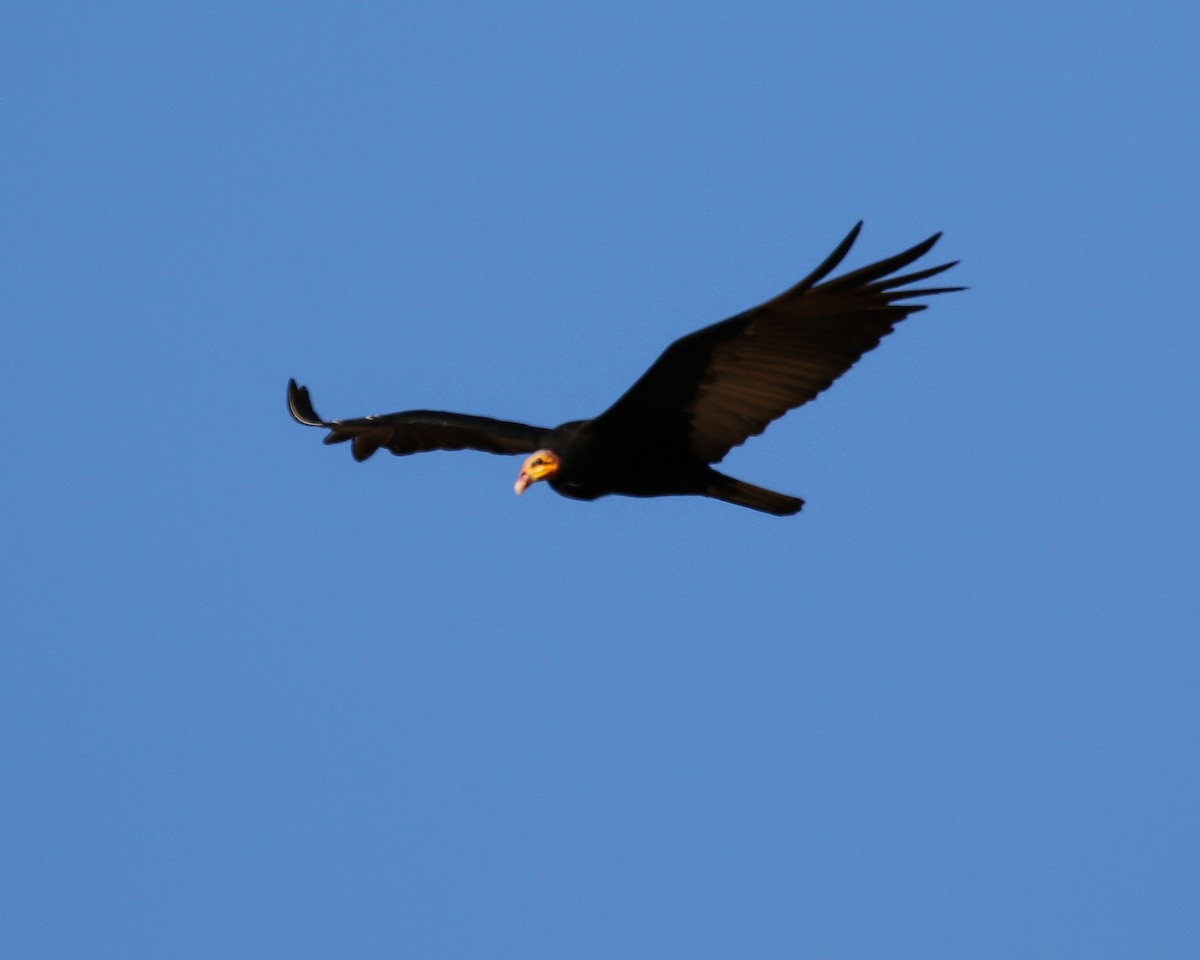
415, 431
713, 389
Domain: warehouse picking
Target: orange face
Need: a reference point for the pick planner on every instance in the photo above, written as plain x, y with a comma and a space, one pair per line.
541, 466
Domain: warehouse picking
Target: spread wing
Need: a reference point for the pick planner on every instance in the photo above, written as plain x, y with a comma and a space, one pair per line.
415, 431
713, 389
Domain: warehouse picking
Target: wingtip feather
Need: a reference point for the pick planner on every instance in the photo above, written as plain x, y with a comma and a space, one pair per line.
300, 406
830, 263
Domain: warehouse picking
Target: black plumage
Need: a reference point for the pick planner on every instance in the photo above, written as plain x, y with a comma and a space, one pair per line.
708, 392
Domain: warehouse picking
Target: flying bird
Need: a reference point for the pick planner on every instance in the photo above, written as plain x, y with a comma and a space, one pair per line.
707, 393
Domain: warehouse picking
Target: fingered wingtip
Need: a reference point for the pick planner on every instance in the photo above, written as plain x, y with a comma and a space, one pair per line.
300, 406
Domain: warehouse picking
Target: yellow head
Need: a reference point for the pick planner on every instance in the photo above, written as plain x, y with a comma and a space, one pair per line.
541, 466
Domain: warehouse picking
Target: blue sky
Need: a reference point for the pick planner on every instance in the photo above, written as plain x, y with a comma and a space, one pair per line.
259, 700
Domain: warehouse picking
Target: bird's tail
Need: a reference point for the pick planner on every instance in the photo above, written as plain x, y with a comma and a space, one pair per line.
721, 487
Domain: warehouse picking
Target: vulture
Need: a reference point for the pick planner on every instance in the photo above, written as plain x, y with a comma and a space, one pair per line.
708, 392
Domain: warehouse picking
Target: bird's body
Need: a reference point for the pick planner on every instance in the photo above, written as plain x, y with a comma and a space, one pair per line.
708, 392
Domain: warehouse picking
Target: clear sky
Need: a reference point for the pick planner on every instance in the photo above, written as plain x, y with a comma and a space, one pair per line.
257, 700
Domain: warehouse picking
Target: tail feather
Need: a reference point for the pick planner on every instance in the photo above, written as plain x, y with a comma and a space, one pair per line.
744, 494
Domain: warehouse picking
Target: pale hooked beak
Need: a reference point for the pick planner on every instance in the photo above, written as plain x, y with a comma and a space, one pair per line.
540, 466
